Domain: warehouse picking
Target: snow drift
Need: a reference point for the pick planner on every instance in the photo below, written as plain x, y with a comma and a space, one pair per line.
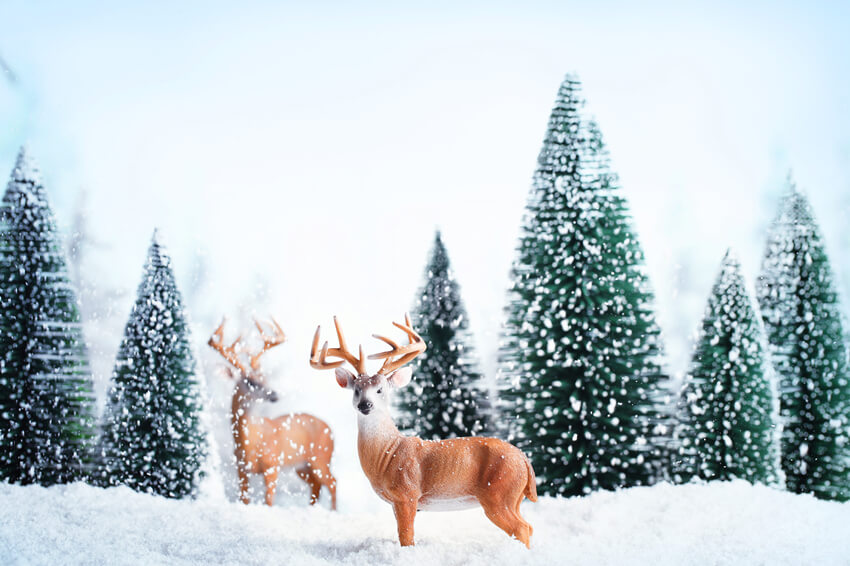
720, 523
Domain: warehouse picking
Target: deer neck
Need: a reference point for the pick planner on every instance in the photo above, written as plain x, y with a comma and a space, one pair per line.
240, 414
377, 437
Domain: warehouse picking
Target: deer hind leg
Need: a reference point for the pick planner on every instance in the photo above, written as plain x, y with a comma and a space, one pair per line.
521, 518
405, 513
506, 518
270, 477
307, 474
315, 489
244, 484
304, 473
332, 488
326, 478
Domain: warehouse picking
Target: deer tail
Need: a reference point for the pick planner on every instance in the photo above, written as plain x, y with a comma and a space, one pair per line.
531, 485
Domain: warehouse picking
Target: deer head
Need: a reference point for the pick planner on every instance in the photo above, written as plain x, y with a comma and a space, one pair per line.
370, 392
250, 380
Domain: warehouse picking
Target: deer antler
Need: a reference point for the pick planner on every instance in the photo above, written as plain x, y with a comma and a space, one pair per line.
318, 360
269, 342
402, 354
216, 341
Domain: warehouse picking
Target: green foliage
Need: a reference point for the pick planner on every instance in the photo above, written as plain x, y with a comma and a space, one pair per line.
801, 312
152, 439
446, 398
729, 409
580, 361
46, 398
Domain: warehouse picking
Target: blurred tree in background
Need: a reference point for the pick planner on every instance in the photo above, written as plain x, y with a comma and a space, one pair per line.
802, 316
446, 398
46, 398
729, 408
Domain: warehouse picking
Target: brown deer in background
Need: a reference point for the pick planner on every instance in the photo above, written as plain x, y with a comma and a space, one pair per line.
414, 474
265, 445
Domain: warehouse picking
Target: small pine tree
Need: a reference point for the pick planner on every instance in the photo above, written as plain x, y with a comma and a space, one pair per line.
446, 398
46, 399
803, 321
580, 362
729, 408
152, 439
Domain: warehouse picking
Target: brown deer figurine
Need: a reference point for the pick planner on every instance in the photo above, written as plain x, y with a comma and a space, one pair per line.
417, 475
265, 445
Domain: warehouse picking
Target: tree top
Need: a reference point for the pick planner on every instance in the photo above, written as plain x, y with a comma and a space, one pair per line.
157, 253
730, 260
26, 168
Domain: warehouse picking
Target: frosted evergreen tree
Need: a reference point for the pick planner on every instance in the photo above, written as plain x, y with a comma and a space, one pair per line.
729, 408
46, 399
802, 316
446, 398
152, 439
583, 389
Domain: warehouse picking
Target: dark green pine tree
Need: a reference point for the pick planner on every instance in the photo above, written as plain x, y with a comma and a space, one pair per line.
582, 386
46, 396
446, 398
728, 419
802, 316
152, 439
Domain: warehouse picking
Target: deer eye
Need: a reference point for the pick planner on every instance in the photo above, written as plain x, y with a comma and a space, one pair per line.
380, 390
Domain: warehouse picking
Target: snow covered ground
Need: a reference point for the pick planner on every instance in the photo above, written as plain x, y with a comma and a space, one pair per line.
722, 523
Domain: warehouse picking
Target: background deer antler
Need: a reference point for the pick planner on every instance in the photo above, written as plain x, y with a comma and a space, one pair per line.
269, 342
402, 354
229, 352
318, 360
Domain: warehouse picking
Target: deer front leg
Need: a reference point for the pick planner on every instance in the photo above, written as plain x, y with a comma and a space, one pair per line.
405, 513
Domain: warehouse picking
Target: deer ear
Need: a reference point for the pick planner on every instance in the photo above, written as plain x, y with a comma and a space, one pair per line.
400, 377
344, 377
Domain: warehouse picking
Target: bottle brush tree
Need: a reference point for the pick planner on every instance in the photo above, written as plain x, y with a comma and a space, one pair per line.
728, 419
152, 439
46, 398
582, 385
446, 398
802, 315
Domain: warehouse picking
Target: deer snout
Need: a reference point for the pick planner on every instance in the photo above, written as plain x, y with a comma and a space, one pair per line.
365, 407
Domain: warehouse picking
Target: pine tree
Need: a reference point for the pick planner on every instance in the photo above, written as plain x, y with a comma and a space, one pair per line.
802, 316
580, 361
46, 399
152, 439
729, 408
446, 398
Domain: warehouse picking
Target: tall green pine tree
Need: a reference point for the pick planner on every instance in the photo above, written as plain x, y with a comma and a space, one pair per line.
152, 439
802, 316
446, 398
46, 395
580, 361
729, 408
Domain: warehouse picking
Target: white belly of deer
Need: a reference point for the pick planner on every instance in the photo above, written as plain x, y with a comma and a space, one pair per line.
447, 504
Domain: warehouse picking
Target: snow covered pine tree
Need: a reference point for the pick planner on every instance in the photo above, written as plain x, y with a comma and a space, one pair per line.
729, 408
447, 398
581, 379
46, 399
152, 439
808, 344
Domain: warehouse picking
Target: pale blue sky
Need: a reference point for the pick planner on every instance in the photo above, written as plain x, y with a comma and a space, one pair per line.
321, 144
